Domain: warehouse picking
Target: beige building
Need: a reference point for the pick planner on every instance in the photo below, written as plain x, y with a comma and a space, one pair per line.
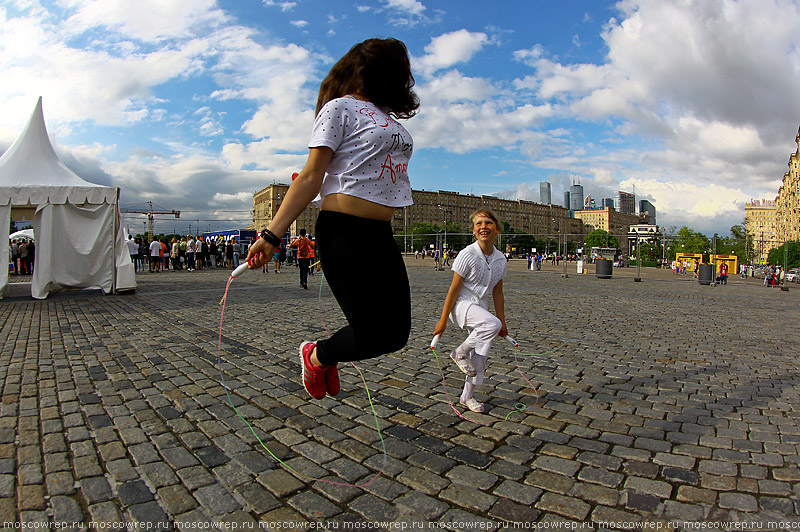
444, 208
787, 222
439, 208
771, 223
265, 204
760, 222
608, 219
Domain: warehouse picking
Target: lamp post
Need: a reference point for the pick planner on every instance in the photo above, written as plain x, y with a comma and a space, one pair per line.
564, 256
638, 278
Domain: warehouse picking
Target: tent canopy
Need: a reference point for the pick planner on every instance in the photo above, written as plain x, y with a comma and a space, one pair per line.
79, 241
32, 174
25, 233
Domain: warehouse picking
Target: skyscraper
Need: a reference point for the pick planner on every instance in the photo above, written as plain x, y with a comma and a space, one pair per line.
544, 192
608, 202
566, 199
576, 197
627, 203
649, 210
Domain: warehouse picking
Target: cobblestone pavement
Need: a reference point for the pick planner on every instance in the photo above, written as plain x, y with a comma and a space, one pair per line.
669, 400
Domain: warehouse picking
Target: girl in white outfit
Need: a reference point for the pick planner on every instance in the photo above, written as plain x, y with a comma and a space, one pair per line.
478, 271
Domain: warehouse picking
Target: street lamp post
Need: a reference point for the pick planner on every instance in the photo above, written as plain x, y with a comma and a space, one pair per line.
638, 278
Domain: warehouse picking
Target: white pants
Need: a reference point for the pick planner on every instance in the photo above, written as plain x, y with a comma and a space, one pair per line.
483, 327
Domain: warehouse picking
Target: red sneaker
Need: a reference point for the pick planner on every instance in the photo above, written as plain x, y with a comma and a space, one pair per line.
332, 379
313, 378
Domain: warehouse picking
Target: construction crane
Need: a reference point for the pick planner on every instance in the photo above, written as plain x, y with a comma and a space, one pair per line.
150, 216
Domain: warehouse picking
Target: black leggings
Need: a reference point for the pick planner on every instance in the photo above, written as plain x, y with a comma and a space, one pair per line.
372, 289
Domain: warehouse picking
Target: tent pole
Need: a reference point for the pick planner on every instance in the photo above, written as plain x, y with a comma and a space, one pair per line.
114, 246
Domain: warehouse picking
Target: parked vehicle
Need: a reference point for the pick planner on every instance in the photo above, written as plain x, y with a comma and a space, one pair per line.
793, 275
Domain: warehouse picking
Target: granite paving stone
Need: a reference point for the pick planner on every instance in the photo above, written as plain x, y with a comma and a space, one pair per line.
645, 413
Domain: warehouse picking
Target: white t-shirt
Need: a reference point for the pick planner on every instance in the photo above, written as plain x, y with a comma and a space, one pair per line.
155, 248
371, 151
133, 247
190, 246
481, 274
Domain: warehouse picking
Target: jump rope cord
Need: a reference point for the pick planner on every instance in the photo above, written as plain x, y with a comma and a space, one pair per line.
252, 430
518, 407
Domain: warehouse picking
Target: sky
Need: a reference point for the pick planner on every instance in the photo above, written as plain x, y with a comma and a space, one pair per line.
196, 104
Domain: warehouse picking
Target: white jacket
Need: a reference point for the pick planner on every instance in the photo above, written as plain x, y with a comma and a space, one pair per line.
481, 275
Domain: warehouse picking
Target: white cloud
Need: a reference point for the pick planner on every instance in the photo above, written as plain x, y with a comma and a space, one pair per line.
299, 23
145, 20
284, 6
411, 7
450, 49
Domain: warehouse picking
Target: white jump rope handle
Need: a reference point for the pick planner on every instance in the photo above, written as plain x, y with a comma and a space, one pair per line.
240, 270
512, 341
435, 341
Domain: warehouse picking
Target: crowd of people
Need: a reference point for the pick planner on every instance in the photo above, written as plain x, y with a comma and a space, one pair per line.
22, 253
193, 253
190, 253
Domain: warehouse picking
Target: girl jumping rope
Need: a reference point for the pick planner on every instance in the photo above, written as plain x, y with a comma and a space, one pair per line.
356, 173
478, 271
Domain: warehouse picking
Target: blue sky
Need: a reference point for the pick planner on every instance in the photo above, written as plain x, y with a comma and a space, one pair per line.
196, 104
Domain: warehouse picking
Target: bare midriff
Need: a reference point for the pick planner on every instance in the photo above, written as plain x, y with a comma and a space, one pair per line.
357, 207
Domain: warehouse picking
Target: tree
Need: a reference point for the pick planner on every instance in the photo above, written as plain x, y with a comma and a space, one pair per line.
424, 234
690, 241
776, 255
601, 238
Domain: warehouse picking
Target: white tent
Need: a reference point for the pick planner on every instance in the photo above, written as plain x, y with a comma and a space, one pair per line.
25, 233
80, 242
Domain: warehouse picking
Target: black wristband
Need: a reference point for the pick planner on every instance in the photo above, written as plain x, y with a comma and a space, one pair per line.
270, 237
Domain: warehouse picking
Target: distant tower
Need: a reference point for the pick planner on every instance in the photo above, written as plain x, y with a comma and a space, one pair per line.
544, 192
608, 202
566, 199
627, 203
576, 196
647, 210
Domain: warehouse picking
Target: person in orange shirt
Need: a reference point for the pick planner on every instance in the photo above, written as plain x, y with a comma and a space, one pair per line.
162, 264
305, 252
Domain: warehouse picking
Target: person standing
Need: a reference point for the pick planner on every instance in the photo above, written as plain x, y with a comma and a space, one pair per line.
304, 245
155, 250
723, 273
174, 254
357, 173
133, 251
478, 271
15, 256
23, 258
237, 252
276, 257
189, 253
31, 255
199, 257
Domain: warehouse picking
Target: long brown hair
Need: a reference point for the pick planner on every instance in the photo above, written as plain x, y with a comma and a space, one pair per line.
378, 69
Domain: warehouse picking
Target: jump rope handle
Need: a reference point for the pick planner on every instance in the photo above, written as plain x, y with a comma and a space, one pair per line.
241, 269
435, 341
512, 341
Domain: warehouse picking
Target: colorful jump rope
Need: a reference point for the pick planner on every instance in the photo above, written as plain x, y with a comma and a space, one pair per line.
518, 407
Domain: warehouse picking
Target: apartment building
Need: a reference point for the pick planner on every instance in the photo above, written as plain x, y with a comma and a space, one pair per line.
607, 219
441, 208
761, 223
